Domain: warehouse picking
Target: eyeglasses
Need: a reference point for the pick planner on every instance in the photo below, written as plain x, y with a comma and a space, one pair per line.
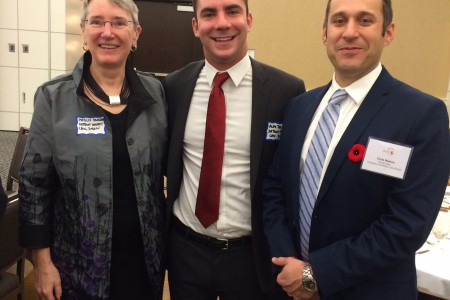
99, 23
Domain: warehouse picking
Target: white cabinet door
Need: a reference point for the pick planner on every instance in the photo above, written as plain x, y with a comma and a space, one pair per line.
33, 15
25, 119
8, 14
9, 93
8, 48
33, 49
30, 80
9, 121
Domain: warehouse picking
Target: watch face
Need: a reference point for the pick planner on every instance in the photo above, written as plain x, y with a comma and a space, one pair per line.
309, 285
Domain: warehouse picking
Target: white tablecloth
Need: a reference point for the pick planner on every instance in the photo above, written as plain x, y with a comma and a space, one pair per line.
433, 269
433, 258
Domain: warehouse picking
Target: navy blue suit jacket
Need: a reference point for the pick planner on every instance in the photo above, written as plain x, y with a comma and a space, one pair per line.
271, 91
365, 226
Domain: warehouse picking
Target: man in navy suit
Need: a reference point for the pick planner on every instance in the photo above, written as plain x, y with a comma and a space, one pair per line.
371, 211
229, 258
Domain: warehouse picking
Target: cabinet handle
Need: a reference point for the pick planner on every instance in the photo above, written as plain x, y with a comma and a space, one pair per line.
12, 47
25, 48
24, 100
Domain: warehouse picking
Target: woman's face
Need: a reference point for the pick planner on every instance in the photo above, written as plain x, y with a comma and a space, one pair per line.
109, 44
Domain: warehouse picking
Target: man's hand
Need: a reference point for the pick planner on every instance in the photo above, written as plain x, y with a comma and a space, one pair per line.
48, 281
290, 278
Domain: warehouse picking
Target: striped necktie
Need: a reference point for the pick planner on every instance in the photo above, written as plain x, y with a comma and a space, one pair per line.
312, 170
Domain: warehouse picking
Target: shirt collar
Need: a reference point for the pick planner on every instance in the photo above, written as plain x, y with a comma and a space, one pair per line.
236, 72
359, 89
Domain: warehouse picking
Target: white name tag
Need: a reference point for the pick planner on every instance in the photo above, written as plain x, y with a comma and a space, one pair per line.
274, 131
387, 158
91, 126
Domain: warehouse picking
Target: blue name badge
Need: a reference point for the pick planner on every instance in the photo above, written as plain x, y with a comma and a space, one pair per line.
91, 126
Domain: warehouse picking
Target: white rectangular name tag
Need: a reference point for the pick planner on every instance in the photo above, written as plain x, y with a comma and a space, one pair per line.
387, 158
274, 131
91, 126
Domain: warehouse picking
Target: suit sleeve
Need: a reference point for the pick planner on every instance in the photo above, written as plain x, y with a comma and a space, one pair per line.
277, 221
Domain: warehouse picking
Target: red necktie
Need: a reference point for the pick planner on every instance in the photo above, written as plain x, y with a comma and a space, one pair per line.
208, 196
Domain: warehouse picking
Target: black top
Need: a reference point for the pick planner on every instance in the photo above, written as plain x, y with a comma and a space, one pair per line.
129, 279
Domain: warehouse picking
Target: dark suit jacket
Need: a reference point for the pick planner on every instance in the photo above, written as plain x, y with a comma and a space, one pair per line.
272, 89
365, 227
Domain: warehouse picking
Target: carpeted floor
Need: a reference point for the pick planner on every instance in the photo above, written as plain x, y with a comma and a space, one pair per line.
7, 144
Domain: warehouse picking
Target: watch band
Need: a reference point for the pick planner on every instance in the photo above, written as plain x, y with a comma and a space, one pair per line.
308, 281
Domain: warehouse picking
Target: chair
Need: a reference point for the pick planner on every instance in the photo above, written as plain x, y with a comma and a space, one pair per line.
11, 254
14, 168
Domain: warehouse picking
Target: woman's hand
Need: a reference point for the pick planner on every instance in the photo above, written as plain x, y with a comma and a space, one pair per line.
48, 281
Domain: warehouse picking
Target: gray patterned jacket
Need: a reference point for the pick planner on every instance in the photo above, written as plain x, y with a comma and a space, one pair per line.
66, 178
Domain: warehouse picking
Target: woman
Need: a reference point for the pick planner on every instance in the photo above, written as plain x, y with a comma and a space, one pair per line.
91, 190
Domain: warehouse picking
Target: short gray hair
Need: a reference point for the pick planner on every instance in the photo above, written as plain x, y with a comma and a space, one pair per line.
127, 5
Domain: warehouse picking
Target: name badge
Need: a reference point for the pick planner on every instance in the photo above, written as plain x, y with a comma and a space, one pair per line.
387, 158
273, 131
91, 126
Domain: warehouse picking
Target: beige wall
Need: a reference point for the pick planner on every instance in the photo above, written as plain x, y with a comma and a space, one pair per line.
287, 34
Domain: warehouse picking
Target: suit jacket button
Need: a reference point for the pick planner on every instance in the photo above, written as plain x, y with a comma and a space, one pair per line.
130, 141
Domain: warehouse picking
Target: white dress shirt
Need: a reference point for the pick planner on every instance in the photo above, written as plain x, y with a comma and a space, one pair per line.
357, 91
235, 199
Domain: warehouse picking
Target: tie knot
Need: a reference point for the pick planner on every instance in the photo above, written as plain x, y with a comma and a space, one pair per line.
220, 78
338, 96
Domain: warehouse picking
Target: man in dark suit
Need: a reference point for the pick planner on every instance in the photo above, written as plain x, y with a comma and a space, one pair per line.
230, 257
370, 212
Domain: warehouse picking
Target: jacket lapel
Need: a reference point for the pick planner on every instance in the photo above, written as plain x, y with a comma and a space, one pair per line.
372, 104
260, 104
184, 95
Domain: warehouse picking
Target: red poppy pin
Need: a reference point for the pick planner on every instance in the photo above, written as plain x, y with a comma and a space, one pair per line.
356, 153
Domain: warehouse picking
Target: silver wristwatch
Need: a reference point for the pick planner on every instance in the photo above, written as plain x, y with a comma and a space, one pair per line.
308, 281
